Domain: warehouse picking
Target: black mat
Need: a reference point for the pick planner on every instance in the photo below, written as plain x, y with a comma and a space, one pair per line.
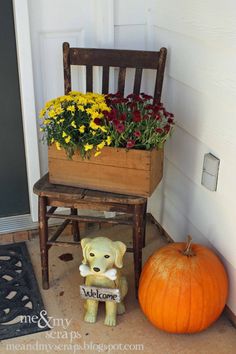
20, 297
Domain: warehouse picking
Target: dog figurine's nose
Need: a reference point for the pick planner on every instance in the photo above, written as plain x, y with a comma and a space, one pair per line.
96, 269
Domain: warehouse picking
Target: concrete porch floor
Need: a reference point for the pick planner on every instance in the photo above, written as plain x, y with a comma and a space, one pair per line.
62, 301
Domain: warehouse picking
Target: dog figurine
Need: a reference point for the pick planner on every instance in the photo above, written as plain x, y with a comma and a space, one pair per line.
101, 258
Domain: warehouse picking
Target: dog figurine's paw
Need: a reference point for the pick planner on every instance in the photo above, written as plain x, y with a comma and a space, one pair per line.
120, 308
110, 320
90, 317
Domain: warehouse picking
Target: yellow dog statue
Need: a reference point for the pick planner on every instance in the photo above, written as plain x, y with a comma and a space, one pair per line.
101, 258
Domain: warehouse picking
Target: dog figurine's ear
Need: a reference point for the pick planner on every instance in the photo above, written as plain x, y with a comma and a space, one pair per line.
85, 242
120, 249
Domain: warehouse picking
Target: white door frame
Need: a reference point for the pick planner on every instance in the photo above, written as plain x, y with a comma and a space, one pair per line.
29, 117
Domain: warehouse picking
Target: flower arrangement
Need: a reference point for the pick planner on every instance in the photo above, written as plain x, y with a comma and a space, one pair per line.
88, 122
76, 122
137, 121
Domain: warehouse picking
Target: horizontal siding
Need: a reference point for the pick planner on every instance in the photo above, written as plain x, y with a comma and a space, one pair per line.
212, 22
209, 213
173, 219
199, 66
206, 117
189, 160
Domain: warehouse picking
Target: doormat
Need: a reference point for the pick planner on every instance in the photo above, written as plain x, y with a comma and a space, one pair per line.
20, 298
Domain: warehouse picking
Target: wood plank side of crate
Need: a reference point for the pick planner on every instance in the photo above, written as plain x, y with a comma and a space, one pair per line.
110, 156
119, 171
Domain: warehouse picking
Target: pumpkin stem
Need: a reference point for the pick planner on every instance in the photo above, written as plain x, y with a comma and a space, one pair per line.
188, 250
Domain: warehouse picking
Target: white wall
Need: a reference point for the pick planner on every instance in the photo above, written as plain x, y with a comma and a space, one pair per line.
199, 88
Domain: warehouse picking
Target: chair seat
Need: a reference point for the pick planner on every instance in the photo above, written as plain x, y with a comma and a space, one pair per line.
44, 188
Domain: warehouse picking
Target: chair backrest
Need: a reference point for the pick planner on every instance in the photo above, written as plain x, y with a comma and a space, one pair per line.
117, 58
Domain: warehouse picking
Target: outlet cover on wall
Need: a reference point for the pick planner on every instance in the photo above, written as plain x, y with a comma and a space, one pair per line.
210, 171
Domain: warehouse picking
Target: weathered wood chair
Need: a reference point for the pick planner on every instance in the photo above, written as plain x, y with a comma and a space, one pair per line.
55, 196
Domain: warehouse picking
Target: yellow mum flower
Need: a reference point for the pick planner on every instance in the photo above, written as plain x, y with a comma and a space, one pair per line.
52, 140
81, 108
88, 147
52, 113
82, 128
59, 110
97, 153
48, 104
71, 108
64, 134
74, 93
68, 139
101, 145
41, 113
103, 129
73, 124
104, 107
82, 100
89, 110
58, 146
94, 125
62, 98
108, 140
95, 114
46, 121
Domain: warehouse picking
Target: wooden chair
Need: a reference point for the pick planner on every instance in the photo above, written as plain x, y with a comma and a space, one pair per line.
53, 196
117, 58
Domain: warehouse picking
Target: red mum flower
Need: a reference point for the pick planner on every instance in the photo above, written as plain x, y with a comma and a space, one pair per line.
137, 116
137, 133
97, 121
132, 105
150, 107
130, 144
120, 128
167, 128
116, 122
123, 116
131, 95
170, 120
159, 130
111, 115
145, 96
105, 113
157, 117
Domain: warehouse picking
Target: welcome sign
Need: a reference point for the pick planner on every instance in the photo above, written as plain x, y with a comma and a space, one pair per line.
99, 294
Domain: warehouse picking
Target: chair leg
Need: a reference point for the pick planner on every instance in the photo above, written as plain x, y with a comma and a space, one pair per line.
75, 226
43, 238
137, 243
144, 224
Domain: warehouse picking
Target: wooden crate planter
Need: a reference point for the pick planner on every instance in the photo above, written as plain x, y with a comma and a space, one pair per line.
134, 172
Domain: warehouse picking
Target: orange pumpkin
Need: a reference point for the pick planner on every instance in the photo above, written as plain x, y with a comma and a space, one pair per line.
183, 288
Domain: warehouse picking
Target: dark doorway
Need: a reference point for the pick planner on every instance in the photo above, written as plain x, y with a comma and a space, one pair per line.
14, 198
